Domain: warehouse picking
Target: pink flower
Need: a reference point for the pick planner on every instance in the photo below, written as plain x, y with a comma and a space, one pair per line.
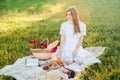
37, 44
31, 41
44, 44
54, 49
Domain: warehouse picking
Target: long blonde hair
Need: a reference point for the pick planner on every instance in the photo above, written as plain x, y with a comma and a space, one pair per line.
75, 17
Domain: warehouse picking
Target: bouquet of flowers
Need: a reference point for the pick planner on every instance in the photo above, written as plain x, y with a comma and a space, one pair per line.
39, 48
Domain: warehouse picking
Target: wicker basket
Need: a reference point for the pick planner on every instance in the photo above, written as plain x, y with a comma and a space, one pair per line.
41, 54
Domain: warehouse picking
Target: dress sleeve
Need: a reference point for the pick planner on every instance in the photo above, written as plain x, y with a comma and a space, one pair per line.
83, 29
62, 29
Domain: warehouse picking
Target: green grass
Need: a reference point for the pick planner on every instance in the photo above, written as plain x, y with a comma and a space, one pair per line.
23, 20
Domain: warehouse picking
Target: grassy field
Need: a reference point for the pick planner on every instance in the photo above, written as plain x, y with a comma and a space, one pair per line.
23, 20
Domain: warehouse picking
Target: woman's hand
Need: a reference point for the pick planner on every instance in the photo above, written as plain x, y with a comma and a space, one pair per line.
75, 52
62, 41
58, 55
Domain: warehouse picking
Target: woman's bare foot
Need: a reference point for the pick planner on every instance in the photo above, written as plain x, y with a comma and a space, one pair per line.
70, 73
65, 71
78, 62
68, 62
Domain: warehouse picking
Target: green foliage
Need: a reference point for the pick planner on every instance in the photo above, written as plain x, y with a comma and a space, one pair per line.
3, 77
24, 20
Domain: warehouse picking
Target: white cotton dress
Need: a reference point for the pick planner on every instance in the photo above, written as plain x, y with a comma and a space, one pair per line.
71, 41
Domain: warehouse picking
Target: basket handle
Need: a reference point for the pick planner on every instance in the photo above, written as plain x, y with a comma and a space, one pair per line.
46, 40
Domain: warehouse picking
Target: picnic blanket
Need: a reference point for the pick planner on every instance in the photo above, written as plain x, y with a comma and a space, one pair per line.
19, 71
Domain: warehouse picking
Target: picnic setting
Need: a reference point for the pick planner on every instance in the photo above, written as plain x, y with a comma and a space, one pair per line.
59, 40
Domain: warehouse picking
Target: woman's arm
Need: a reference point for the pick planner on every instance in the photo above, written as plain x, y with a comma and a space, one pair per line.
62, 41
75, 52
79, 43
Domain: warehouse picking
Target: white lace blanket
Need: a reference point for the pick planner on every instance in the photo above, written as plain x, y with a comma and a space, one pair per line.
19, 71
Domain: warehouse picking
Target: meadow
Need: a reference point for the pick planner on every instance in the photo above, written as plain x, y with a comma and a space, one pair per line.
23, 20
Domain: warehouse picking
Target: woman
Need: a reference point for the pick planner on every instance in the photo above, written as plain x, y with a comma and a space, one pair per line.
72, 34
